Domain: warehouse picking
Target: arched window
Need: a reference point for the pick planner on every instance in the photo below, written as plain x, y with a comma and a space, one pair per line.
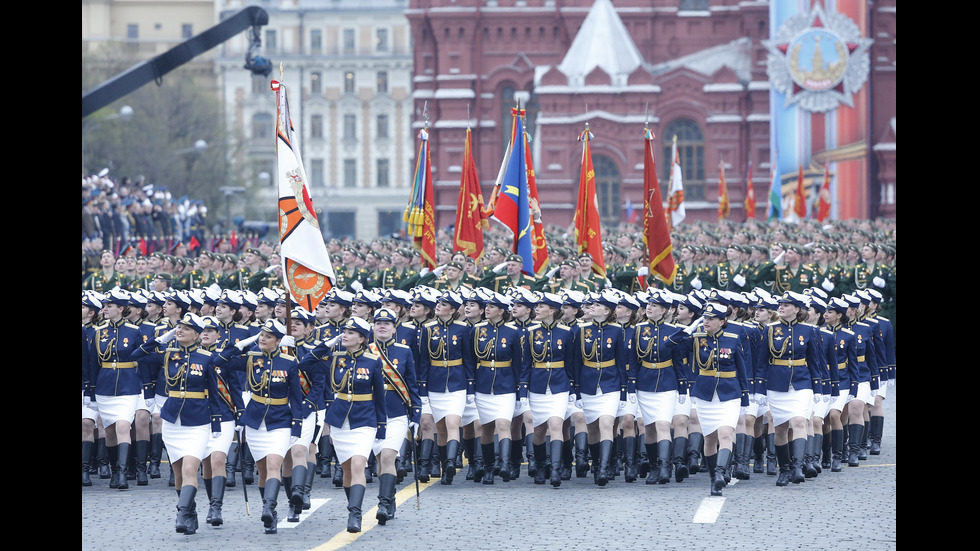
607, 190
690, 150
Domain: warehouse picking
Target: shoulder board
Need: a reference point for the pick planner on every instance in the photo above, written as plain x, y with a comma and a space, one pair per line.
410, 324
131, 325
370, 355
615, 324
101, 325
463, 323
846, 330
825, 330
727, 334
501, 277
400, 345
310, 345
862, 324
480, 324
563, 326
287, 356
240, 325
879, 318
808, 324
700, 334
431, 322
205, 352
529, 327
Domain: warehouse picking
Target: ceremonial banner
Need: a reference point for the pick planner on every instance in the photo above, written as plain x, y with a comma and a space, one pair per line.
588, 232
470, 217
305, 262
420, 212
656, 233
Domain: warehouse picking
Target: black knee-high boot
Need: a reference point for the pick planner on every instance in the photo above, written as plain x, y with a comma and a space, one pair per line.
529, 451
488, 463
354, 502
515, 459
540, 458
605, 461
663, 458
469, 451
629, 458
308, 485
785, 468
142, 449
217, 499
680, 459
386, 498
581, 447
423, 459
187, 511
102, 458
854, 444
723, 458
156, 454
270, 495
837, 450
231, 464
798, 449
122, 451
695, 441
772, 458
556, 448
326, 456
759, 451
566, 460
113, 454
505, 459
877, 427
86, 461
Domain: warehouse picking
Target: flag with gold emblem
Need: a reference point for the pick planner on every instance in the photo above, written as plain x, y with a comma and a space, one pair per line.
471, 219
306, 266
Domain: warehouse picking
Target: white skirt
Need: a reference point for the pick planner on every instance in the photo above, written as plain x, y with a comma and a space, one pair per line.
716, 414
426, 409
547, 405
882, 389
183, 441
309, 429
627, 408
470, 414
597, 405
262, 442
571, 408
752, 409
820, 410
656, 406
786, 405
222, 443
839, 402
348, 442
685, 408
495, 406
447, 403
118, 408
158, 402
395, 431
89, 413
864, 394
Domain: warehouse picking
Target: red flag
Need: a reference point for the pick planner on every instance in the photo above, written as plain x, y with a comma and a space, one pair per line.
724, 209
749, 195
194, 243
823, 199
588, 234
420, 212
143, 246
234, 241
307, 272
538, 244
656, 233
799, 202
470, 218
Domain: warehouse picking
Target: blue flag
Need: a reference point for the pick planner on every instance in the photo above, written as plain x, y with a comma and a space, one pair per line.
513, 207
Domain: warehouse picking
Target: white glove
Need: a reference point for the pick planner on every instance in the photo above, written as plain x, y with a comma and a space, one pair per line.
356, 285
761, 400
874, 392
827, 285
499, 267
439, 269
891, 382
850, 397
333, 342
524, 402
423, 271
149, 403
288, 341
690, 329
470, 398
293, 440
239, 429
817, 398
271, 269
696, 282
631, 398
608, 283
571, 398
681, 398
779, 259
85, 400
622, 404
643, 271
878, 281
215, 435
739, 280
578, 403
413, 428
826, 398
425, 400
243, 344
551, 273
167, 337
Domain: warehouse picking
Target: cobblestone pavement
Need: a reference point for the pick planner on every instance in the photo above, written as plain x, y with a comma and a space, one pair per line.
853, 509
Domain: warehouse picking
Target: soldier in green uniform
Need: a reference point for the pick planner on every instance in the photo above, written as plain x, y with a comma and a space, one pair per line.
827, 274
687, 271
105, 279
567, 279
732, 274
793, 275
201, 276
513, 278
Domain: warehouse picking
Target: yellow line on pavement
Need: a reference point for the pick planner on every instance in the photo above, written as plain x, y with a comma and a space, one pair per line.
368, 520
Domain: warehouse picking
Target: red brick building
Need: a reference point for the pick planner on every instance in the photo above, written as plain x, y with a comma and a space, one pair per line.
695, 69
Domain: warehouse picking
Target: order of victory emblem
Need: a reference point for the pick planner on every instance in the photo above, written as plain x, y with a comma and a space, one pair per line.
818, 60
